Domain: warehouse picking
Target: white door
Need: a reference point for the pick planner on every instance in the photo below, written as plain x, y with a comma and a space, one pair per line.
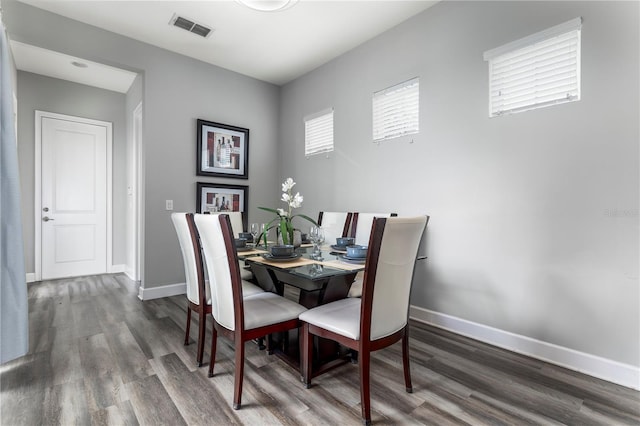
75, 174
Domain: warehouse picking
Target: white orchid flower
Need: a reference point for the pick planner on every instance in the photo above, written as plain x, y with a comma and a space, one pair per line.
286, 197
297, 201
287, 185
282, 212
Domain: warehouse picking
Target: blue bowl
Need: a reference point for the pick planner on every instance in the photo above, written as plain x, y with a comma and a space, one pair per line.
357, 251
345, 241
247, 236
282, 250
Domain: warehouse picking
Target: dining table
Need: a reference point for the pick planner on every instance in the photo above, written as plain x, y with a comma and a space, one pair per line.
315, 280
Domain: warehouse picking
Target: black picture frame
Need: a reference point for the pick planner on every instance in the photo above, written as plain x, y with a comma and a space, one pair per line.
222, 150
211, 197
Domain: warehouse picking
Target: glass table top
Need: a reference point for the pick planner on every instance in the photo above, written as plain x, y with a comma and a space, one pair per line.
314, 271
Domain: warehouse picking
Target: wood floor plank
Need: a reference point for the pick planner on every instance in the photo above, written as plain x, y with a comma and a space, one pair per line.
65, 404
197, 400
131, 361
98, 355
151, 403
65, 362
104, 391
121, 414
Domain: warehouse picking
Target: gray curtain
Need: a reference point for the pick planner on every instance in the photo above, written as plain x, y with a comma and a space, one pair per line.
14, 315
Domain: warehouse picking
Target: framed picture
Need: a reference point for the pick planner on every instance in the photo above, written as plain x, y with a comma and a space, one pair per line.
221, 198
223, 150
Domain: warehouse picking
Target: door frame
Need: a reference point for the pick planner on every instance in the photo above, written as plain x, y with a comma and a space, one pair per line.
39, 115
135, 162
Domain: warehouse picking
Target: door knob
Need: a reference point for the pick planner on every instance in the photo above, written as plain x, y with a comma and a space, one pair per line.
46, 219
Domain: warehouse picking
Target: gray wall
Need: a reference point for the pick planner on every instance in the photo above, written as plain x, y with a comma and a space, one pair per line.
36, 92
534, 216
177, 91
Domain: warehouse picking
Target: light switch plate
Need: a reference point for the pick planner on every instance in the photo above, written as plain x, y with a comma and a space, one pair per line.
169, 204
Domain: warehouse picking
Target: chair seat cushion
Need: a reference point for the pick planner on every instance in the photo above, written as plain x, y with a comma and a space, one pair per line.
341, 317
268, 308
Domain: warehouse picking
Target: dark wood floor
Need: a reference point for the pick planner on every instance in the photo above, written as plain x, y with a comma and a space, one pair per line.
98, 355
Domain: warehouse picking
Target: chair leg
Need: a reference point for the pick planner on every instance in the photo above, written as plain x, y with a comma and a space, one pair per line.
237, 394
186, 336
307, 354
405, 361
214, 340
201, 336
365, 389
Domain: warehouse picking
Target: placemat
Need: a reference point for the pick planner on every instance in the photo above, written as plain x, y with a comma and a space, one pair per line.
343, 265
248, 253
285, 265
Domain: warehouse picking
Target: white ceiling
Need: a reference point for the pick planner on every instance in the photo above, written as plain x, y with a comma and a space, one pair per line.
276, 47
58, 65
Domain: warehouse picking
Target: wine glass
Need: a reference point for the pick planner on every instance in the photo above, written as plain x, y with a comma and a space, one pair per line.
313, 235
263, 232
254, 229
320, 242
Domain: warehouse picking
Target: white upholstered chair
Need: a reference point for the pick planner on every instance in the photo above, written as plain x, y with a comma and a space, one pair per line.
361, 230
236, 317
198, 295
237, 224
380, 318
334, 224
361, 225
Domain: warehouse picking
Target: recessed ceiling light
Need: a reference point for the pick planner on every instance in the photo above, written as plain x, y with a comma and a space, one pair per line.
268, 5
79, 64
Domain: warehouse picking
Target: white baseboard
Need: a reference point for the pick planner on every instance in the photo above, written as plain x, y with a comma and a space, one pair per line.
31, 277
602, 368
162, 291
129, 273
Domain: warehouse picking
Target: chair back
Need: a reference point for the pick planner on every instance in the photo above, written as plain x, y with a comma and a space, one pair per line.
361, 226
334, 224
191, 257
237, 221
388, 276
216, 236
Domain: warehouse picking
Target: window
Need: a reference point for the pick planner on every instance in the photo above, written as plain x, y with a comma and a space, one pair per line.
318, 133
537, 71
396, 110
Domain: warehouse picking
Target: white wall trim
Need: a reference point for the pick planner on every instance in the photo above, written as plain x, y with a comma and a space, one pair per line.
162, 291
602, 368
31, 277
116, 269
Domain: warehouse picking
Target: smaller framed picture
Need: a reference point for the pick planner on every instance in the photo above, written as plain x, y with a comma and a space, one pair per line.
221, 198
223, 150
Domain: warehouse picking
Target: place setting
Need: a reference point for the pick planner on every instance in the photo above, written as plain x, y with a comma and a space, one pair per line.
341, 244
281, 253
355, 254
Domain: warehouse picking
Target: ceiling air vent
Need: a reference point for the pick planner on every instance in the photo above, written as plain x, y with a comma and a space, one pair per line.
190, 25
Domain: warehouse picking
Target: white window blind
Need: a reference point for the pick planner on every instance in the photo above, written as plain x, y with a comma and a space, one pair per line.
536, 71
396, 110
318, 133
